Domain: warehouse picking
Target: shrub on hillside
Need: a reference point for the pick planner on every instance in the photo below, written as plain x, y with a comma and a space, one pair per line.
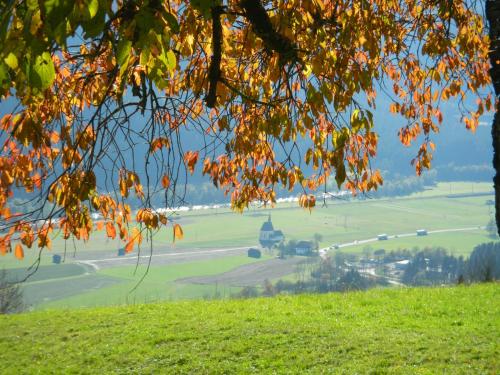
11, 297
484, 262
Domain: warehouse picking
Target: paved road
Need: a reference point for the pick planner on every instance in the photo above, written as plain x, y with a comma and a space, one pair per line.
180, 256
163, 258
324, 251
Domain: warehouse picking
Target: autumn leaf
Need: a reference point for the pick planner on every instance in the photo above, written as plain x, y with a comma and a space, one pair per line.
130, 246
110, 230
165, 182
3, 247
303, 89
178, 233
19, 252
136, 235
191, 158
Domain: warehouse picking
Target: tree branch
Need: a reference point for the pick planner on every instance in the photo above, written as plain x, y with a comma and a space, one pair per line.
263, 28
214, 71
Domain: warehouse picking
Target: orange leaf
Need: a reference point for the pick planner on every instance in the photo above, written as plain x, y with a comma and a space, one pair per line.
6, 213
111, 230
19, 252
54, 137
100, 225
178, 233
136, 235
191, 158
3, 247
165, 182
130, 246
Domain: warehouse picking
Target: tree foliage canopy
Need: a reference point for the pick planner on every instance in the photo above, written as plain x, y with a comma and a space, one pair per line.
277, 92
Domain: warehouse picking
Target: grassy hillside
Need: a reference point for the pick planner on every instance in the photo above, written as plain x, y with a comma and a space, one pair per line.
441, 330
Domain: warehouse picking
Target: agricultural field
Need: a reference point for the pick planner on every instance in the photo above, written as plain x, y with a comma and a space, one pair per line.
125, 284
457, 243
211, 260
452, 330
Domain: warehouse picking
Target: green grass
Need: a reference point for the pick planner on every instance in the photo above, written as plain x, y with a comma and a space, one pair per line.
158, 285
46, 272
456, 243
339, 222
407, 331
38, 293
446, 188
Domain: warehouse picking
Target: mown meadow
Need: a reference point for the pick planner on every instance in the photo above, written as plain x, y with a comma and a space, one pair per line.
452, 330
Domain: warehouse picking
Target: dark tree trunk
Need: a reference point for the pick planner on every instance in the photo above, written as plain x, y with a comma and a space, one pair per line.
493, 16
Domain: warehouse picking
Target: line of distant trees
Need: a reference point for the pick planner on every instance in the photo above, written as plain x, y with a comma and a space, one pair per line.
452, 172
318, 275
434, 266
344, 272
394, 185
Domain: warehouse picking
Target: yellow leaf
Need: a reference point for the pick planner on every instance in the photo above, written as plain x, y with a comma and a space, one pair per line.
136, 235
178, 233
307, 70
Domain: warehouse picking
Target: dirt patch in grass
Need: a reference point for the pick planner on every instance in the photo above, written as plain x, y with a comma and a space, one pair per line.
250, 274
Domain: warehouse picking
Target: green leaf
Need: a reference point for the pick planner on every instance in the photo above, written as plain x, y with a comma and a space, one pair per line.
340, 175
355, 114
93, 7
168, 59
123, 52
172, 60
42, 72
122, 57
95, 26
203, 6
172, 22
56, 12
11, 61
369, 123
4, 76
32, 4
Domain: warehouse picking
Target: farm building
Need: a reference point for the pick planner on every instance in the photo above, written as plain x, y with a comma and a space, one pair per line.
304, 248
401, 265
268, 236
254, 253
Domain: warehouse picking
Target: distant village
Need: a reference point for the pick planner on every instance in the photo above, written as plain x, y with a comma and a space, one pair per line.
271, 238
